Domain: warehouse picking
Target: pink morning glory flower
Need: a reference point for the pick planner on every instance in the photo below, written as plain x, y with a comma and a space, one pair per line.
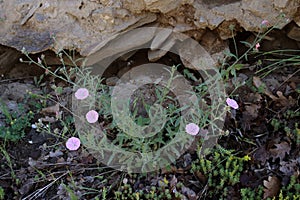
81, 93
92, 116
192, 129
257, 46
232, 103
265, 23
73, 143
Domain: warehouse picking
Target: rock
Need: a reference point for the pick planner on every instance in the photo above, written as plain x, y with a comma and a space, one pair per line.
123, 71
17, 91
126, 56
156, 54
84, 25
278, 40
297, 20
165, 6
214, 45
24, 70
112, 81
120, 44
294, 33
228, 29
281, 3
75, 25
160, 37
190, 52
8, 57
135, 6
247, 13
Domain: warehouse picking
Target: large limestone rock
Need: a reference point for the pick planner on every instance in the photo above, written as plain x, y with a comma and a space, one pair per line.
86, 25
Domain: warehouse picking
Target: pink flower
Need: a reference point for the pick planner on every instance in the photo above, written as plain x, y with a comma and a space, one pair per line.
92, 116
73, 143
192, 129
39, 61
81, 93
232, 103
265, 23
257, 46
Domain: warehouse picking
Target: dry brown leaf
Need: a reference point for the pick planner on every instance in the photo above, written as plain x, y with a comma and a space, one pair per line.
261, 154
252, 111
286, 102
60, 160
50, 110
257, 82
272, 82
88, 159
281, 99
189, 193
27, 186
254, 98
202, 178
272, 187
57, 153
48, 119
280, 150
288, 168
172, 169
173, 182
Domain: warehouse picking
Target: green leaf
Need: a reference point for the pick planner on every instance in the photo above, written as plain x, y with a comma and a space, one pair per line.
247, 44
58, 90
238, 66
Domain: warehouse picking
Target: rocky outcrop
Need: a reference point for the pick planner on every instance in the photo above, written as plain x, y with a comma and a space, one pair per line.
84, 24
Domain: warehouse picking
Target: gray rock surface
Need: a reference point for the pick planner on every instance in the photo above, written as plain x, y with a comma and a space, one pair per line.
86, 25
